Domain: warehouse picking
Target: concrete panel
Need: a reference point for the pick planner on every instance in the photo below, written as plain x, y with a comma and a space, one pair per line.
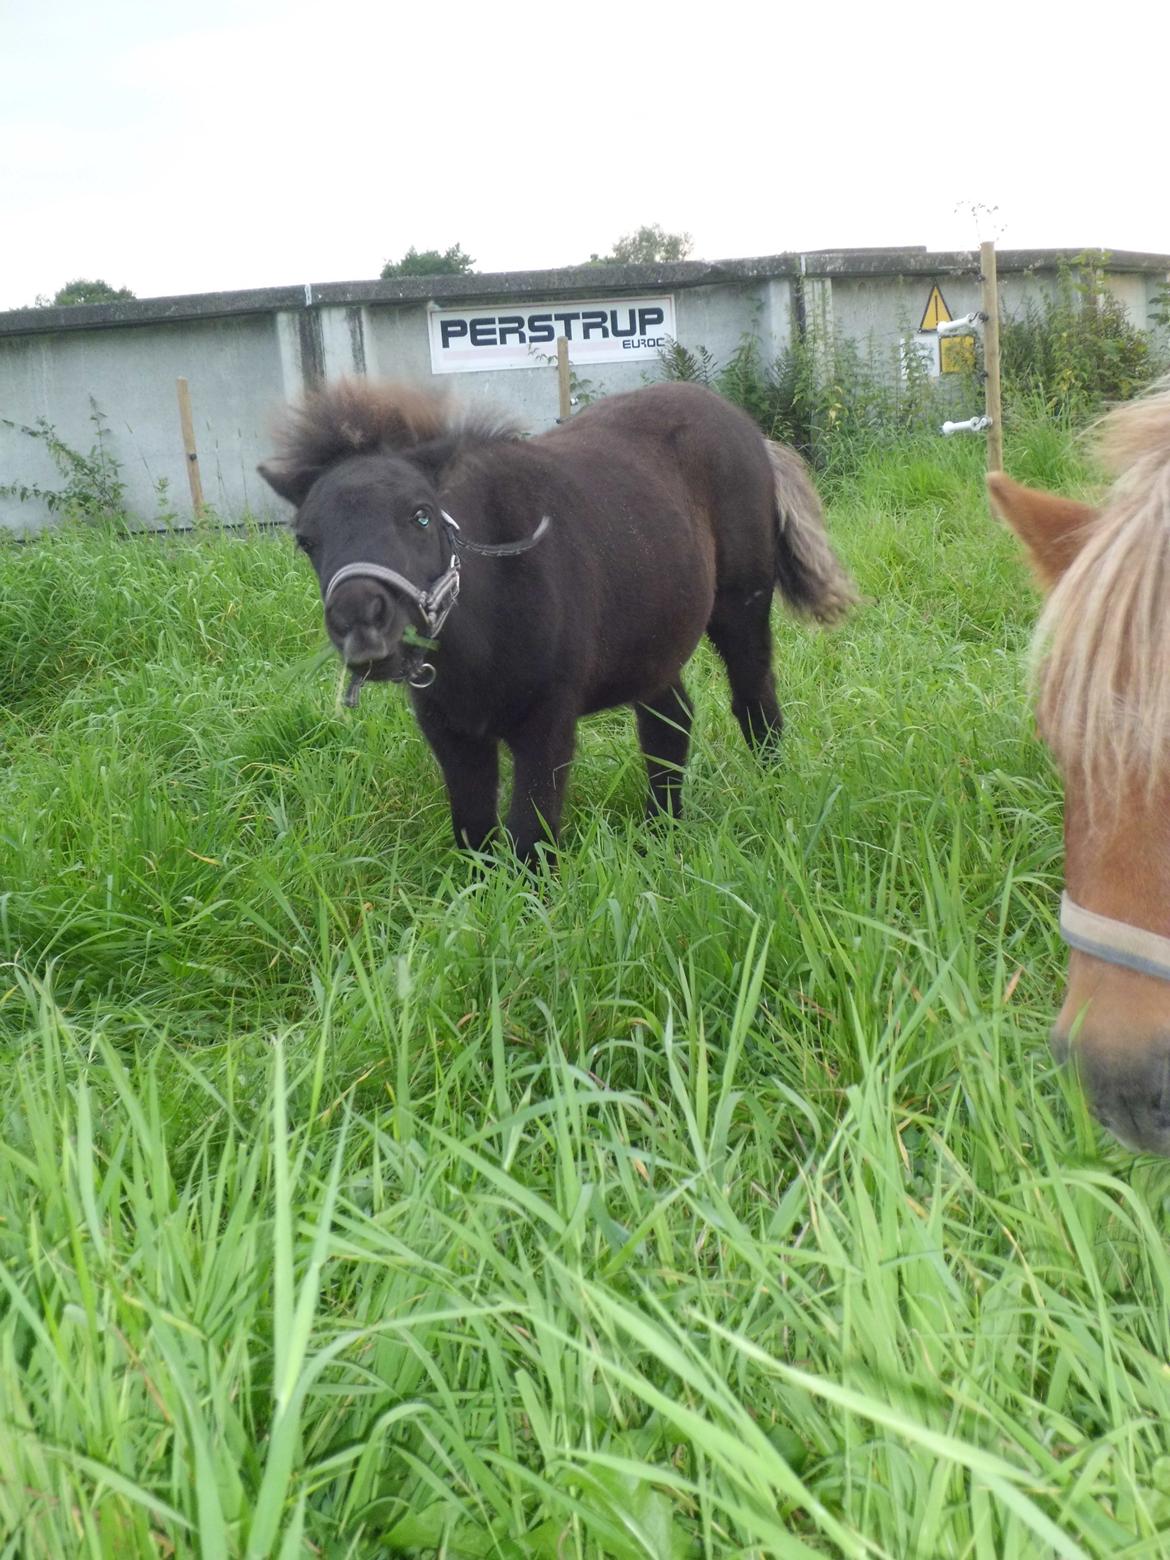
233, 368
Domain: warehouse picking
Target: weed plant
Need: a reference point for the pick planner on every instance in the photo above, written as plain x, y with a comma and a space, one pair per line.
831, 406
92, 486
1074, 350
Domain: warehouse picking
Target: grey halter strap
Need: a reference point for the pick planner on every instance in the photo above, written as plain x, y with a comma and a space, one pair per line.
436, 602
1115, 942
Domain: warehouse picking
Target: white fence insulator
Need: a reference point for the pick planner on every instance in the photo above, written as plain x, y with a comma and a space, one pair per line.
972, 425
960, 327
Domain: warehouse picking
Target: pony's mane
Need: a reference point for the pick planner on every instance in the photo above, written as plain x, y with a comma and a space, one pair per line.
1104, 683
361, 416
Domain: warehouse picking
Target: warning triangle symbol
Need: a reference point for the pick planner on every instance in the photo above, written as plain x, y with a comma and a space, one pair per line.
936, 312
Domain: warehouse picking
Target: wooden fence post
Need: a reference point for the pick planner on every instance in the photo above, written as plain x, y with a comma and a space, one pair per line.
187, 424
563, 382
994, 402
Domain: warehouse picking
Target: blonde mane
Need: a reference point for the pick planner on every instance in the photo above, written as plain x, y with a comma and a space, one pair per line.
1104, 634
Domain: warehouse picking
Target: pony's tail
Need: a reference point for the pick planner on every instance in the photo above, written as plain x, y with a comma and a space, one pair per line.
812, 579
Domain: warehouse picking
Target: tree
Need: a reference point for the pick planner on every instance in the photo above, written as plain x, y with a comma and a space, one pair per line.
83, 291
452, 262
647, 245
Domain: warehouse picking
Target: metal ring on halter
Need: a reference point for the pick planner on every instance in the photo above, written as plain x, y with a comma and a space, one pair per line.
416, 680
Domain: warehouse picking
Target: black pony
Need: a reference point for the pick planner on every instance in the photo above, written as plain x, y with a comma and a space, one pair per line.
546, 578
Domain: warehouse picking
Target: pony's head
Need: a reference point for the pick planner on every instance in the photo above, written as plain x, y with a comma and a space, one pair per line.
1103, 707
362, 464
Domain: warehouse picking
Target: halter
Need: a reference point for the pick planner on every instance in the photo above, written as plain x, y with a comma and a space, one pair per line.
1115, 942
434, 603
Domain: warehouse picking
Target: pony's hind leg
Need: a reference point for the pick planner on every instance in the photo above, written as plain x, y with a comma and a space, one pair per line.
740, 629
664, 730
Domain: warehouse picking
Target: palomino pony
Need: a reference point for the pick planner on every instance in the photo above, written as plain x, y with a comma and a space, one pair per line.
546, 578
1103, 706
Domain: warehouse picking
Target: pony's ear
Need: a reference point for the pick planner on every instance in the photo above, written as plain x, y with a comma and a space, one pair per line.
291, 479
1052, 529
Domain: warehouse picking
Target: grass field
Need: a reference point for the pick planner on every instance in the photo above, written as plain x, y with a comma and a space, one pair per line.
717, 1196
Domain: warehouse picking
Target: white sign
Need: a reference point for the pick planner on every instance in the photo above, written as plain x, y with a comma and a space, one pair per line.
920, 353
524, 336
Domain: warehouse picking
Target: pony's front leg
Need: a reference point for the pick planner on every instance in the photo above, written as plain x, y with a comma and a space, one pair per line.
542, 750
471, 769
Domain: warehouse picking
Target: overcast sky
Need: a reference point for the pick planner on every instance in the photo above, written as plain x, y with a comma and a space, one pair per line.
174, 149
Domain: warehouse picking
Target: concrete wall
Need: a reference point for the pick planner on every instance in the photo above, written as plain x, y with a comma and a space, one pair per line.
245, 354
236, 373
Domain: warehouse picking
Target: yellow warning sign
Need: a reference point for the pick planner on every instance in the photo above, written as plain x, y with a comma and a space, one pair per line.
937, 312
957, 354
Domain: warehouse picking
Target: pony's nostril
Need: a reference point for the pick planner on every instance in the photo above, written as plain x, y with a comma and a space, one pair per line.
377, 609
1132, 1099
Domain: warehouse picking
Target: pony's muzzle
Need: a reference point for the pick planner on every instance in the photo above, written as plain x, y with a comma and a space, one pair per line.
1130, 1093
364, 622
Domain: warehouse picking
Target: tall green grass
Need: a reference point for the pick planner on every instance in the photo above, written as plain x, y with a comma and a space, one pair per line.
717, 1196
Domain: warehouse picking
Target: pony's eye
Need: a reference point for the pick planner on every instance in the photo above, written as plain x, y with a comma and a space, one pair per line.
421, 517
307, 545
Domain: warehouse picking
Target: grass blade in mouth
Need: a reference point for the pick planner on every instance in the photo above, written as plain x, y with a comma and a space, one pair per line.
417, 641
353, 689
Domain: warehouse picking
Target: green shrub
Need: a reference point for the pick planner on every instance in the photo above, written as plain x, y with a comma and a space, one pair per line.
1075, 349
93, 487
826, 405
